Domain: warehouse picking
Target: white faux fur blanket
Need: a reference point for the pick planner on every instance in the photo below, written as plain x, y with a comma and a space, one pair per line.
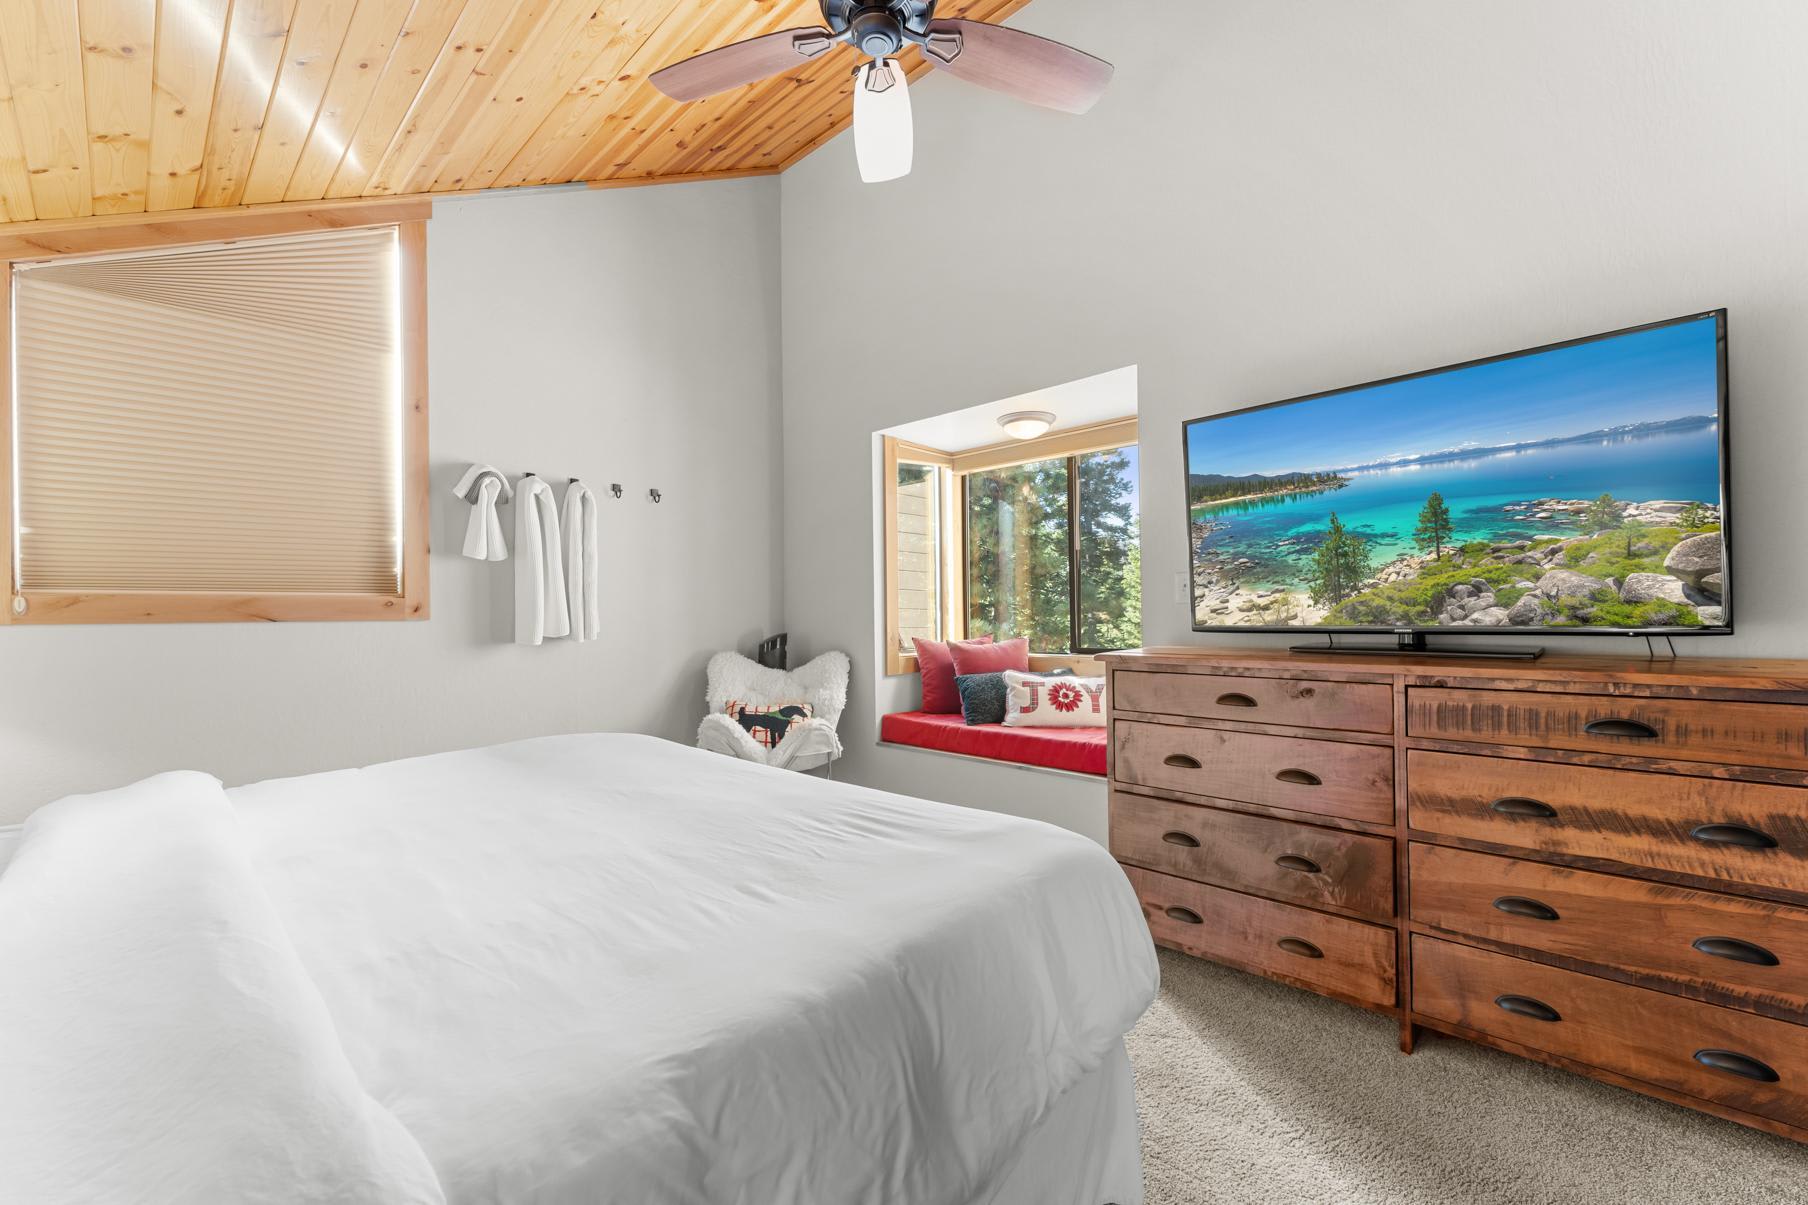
822, 683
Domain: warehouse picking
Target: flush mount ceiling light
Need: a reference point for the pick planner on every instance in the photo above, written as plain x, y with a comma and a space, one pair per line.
1006, 60
1026, 424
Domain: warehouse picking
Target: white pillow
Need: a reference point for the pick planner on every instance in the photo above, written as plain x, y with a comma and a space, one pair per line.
1034, 701
160, 1041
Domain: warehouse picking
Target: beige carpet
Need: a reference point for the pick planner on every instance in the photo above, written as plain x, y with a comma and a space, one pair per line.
1255, 1093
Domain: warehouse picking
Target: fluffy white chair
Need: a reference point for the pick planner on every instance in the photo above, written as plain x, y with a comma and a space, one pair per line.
823, 684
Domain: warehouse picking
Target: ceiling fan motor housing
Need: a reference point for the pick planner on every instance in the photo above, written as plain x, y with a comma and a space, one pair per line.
875, 31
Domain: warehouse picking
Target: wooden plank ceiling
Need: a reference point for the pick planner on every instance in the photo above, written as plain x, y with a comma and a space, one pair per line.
127, 106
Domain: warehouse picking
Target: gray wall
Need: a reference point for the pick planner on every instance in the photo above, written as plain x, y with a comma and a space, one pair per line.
626, 336
1280, 198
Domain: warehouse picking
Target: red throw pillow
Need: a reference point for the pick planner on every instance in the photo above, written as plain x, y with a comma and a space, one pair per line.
984, 657
940, 695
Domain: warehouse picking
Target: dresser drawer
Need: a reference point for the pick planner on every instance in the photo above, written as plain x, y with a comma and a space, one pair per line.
1751, 734
1747, 949
1318, 867
1730, 832
1736, 1059
1328, 778
1345, 958
1347, 706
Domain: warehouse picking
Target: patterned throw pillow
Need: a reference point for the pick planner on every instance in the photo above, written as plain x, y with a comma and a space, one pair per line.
1034, 701
770, 722
983, 696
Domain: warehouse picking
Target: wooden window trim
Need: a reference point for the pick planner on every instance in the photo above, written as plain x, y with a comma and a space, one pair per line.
40, 241
895, 451
918, 454
183, 227
895, 660
1077, 441
954, 560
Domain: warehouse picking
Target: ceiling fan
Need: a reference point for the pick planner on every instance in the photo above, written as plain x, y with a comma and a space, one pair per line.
1018, 64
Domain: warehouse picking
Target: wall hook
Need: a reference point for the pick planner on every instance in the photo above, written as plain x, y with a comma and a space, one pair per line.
653, 494
616, 489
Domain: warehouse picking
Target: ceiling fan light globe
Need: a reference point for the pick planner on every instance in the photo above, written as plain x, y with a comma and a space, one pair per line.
883, 134
1027, 424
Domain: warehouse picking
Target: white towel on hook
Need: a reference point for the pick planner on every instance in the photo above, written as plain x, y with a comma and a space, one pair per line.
482, 486
540, 605
483, 535
581, 537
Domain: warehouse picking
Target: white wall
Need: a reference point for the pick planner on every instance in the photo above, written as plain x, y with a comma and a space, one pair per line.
1273, 199
626, 336
1280, 198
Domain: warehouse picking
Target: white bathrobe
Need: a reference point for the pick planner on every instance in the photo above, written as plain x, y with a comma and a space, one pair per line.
581, 540
540, 605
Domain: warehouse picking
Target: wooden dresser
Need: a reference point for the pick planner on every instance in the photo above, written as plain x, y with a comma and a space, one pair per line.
1596, 862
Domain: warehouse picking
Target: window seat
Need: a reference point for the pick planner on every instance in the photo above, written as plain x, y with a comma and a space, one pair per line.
1079, 750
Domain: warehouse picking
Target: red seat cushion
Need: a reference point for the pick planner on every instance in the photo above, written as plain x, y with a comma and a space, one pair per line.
1081, 750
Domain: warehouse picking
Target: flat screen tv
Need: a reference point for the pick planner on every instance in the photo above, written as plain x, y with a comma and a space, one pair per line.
1575, 488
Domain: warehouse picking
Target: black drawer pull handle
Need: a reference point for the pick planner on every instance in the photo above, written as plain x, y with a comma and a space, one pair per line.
1733, 834
1304, 778
1295, 862
1632, 729
1185, 916
1180, 761
1234, 699
1519, 905
1519, 805
1734, 1063
1525, 1006
1734, 950
1304, 949
1186, 839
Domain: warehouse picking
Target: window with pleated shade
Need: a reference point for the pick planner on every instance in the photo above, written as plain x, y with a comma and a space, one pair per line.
217, 431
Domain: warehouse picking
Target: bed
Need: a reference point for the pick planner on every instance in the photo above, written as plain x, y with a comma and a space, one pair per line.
591, 968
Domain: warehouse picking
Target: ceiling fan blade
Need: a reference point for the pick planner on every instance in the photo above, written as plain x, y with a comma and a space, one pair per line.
1019, 64
883, 133
740, 63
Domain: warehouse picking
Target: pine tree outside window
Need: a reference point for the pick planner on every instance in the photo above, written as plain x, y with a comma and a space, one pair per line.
1053, 553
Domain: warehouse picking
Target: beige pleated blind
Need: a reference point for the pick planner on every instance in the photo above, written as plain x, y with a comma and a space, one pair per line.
224, 418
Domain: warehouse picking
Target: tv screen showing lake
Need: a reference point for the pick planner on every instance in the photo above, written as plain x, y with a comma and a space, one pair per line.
1575, 487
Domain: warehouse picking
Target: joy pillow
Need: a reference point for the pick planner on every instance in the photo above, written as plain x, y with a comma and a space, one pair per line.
1032, 701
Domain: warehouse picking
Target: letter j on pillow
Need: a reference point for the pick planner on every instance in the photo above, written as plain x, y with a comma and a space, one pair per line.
1033, 701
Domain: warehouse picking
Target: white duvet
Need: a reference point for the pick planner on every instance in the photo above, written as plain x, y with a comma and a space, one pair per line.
613, 969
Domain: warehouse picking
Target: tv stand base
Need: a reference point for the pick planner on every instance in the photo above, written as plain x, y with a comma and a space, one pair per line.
1414, 642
